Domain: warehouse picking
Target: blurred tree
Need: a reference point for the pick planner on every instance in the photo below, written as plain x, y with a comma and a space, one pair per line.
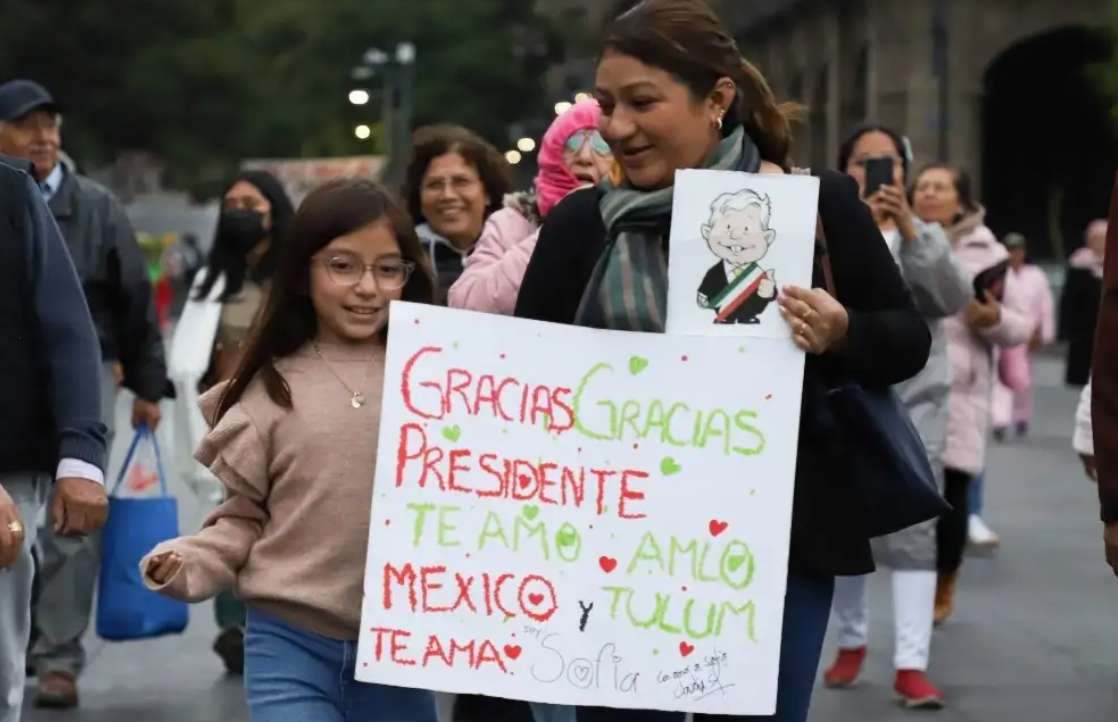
204, 83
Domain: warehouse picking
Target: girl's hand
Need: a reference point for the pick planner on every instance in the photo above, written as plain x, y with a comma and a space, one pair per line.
819, 322
162, 568
981, 315
890, 202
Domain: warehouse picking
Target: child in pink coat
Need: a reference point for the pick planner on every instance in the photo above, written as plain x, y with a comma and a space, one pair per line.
572, 154
1013, 393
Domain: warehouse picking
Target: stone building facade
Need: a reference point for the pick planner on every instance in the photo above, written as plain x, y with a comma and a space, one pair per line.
1000, 87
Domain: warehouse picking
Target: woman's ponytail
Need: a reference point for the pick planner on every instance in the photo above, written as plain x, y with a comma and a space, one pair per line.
767, 122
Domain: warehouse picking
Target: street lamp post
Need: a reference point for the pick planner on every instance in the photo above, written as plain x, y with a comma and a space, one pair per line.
398, 72
405, 104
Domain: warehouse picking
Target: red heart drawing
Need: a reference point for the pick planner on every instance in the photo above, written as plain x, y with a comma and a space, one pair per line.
608, 564
717, 527
686, 649
535, 599
525, 481
512, 651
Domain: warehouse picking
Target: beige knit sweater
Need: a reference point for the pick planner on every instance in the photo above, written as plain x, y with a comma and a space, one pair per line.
291, 536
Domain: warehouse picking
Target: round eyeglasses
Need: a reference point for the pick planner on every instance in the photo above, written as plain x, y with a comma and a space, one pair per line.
347, 270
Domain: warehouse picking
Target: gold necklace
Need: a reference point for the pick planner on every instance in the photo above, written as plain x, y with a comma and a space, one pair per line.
356, 399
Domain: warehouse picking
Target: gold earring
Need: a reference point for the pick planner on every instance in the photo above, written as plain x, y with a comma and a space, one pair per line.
718, 122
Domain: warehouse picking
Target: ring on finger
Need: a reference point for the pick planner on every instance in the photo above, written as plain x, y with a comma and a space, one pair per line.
15, 527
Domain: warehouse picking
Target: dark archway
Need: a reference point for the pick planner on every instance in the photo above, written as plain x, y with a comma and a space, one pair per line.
1049, 147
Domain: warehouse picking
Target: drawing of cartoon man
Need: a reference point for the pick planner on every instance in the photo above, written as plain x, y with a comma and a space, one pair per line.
738, 233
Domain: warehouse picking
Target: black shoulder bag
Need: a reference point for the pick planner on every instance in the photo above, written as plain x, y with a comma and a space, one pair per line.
893, 483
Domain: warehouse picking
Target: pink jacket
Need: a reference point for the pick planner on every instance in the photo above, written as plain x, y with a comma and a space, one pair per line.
493, 271
972, 353
1013, 366
1037, 293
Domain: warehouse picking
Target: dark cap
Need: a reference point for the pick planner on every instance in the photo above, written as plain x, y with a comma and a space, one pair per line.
1014, 240
20, 97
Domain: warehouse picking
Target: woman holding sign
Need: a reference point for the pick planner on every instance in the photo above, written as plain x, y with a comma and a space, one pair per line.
996, 316
291, 444
940, 289
676, 93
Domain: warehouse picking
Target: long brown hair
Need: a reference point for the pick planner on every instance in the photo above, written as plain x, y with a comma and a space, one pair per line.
287, 321
689, 40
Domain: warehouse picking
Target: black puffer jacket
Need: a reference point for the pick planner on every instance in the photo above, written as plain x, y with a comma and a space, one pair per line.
114, 276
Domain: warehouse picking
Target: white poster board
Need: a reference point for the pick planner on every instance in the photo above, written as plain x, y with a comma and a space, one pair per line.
736, 239
577, 516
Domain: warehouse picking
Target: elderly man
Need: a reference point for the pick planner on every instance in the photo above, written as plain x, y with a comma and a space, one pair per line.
51, 425
114, 277
1104, 404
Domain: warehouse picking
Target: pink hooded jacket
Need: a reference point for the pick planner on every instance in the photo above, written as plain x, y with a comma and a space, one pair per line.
493, 271
972, 352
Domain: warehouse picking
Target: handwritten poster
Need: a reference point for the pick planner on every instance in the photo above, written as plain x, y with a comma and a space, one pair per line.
582, 517
736, 239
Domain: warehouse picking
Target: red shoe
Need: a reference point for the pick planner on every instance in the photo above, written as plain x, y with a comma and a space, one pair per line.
844, 672
914, 691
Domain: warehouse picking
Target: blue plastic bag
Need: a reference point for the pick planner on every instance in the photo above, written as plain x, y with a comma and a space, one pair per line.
126, 609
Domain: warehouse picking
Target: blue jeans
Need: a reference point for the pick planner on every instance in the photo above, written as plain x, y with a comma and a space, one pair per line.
974, 494
293, 675
807, 606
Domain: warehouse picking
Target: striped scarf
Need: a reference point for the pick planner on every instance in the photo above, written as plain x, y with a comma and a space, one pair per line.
628, 290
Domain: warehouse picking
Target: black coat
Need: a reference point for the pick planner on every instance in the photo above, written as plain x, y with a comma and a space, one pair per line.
1079, 315
114, 276
50, 363
887, 342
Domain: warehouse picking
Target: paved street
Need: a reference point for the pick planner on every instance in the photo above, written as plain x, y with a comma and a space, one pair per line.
1034, 639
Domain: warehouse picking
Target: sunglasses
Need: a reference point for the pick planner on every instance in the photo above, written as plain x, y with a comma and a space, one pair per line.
598, 144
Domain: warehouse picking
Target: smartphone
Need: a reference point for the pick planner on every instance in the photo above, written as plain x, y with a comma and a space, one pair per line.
879, 172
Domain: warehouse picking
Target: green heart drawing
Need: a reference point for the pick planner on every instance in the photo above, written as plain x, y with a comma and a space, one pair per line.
530, 512
637, 364
566, 537
734, 563
669, 466
452, 433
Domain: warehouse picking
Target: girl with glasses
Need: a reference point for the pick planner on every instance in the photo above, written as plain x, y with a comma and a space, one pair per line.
572, 154
293, 442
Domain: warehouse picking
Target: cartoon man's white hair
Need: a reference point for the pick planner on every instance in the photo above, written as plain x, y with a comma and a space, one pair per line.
742, 199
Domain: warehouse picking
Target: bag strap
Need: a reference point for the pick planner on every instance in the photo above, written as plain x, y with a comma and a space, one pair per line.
141, 432
158, 462
824, 253
821, 248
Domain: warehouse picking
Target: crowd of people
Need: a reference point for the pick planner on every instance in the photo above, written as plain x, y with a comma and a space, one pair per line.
276, 365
